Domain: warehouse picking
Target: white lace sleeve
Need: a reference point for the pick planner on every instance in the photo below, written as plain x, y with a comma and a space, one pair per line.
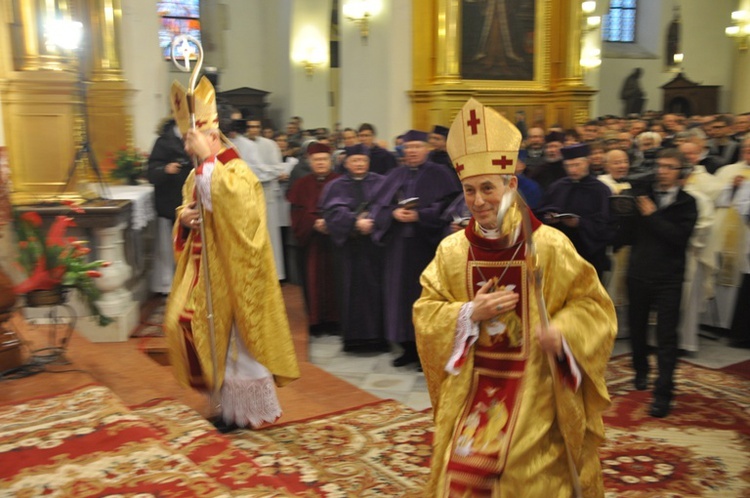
203, 183
467, 333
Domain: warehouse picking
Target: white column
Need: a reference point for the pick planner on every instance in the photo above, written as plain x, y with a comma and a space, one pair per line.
116, 301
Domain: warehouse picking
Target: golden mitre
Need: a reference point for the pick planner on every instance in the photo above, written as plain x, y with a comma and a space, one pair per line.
482, 142
206, 117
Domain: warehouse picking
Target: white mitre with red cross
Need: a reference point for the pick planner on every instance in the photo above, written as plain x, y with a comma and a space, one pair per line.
482, 142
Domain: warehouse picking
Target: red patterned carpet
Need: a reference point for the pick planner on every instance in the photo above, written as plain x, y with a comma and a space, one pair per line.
87, 443
701, 449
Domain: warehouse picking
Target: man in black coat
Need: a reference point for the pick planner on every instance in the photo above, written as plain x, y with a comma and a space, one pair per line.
659, 234
168, 167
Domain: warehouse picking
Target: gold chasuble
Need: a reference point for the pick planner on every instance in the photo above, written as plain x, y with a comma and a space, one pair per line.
731, 232
244, 283
500, 424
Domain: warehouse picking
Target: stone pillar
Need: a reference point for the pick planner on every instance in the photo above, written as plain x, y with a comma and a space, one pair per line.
116, 300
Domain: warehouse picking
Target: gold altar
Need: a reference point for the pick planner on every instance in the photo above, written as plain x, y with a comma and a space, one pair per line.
542, 78
42, 89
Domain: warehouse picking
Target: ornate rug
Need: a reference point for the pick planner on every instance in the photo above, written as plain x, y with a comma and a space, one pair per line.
86, 443
701, 449
378, 450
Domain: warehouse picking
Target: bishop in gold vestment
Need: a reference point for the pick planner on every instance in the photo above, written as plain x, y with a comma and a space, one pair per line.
252, 340
506, 417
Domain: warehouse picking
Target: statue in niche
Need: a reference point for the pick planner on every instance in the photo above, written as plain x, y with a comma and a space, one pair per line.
632, 94
673, 40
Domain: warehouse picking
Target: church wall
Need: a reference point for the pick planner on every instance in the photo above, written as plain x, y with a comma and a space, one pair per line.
146, 72
708, 53
740, 101
310, 40
278, 68
376, 77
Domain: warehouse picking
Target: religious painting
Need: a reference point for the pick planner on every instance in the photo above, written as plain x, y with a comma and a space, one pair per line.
498, 39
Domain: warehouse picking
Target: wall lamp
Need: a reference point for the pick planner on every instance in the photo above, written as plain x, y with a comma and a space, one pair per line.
310, 57
591, 57
591, 22
310, 66
740, 28
360, 12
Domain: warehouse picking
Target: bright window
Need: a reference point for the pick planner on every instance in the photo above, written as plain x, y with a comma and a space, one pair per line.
178, 17
619, 23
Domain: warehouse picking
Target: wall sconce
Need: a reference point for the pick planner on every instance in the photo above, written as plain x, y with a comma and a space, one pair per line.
309, 49
310, 58
310, 67
591, 22
360, 12
591, 57
740, 29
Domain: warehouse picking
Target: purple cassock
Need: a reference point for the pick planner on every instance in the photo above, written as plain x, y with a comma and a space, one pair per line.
587, 199
409, 247
343, 201
319, 266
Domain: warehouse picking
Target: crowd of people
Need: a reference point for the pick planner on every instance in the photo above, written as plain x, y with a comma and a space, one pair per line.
358, 250
426, 246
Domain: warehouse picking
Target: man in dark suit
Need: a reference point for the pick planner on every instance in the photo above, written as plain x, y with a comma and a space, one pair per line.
659, 234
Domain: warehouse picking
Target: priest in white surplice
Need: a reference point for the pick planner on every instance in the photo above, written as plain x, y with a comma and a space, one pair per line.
270, 170
701, 261
731, 233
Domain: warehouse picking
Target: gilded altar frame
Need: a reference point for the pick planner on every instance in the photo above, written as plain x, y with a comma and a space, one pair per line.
555, 95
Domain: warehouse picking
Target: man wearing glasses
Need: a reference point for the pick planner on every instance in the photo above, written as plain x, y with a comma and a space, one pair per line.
659, 233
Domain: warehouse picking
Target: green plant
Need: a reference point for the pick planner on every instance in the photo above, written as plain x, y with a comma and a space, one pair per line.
54, 260
128, 164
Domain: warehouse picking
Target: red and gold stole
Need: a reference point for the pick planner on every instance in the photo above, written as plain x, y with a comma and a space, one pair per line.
485, 428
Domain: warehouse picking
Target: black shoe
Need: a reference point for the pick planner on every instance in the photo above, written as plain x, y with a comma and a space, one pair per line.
641, 382
221, 426
660, 408
405, 359
419, 367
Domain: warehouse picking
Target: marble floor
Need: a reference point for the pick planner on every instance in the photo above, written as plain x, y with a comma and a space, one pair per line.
375, 374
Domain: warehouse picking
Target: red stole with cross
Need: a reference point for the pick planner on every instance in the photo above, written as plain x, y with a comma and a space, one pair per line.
484, 431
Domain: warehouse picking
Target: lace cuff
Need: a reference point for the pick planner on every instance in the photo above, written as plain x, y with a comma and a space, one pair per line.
203, 182
467, 333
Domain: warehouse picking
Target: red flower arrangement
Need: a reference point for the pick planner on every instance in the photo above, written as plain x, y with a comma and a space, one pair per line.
56, 261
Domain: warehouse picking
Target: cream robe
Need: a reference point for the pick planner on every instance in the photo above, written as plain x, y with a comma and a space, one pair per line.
244, 284
731, 261
580, 308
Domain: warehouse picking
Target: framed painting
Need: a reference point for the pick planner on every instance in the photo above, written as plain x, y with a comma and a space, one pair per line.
498, 39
